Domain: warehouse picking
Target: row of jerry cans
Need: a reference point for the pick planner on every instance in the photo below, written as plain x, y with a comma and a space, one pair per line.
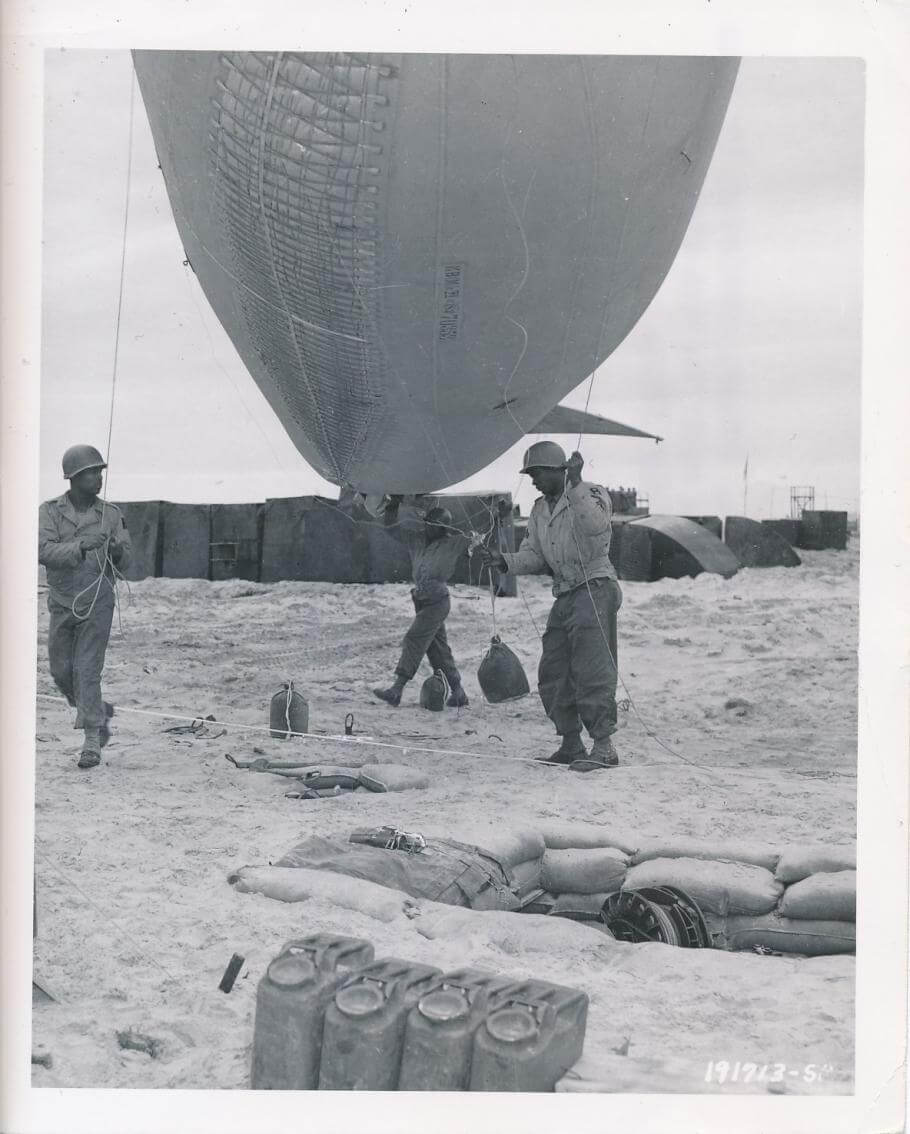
330, 1017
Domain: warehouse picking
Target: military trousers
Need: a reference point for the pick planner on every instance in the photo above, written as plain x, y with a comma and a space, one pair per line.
577, 672
427, 636
76, 649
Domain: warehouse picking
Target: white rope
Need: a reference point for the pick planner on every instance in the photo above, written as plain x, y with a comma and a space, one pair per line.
407, 748
648, 731
97, 584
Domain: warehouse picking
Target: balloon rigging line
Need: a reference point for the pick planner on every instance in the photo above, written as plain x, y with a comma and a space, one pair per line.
103, 564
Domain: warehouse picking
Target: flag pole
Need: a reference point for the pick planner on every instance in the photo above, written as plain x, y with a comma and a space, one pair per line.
745, 484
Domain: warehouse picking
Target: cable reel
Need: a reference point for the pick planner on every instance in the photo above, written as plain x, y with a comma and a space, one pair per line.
656, 913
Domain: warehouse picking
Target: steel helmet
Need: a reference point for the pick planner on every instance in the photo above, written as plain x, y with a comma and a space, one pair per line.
78, 458
544, 455
439, 515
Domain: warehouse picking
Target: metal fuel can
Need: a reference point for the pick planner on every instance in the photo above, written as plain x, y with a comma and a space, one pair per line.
290, 1008
364, 1029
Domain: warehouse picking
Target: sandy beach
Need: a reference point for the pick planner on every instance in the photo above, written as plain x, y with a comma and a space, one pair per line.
136, 920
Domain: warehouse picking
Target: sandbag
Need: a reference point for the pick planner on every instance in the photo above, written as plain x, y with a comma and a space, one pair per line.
580, 907
501, 675
287, 884
586, 836
392, 777
829, 897
508, 846
516, 936
525, 877
583, 871
446, 871
807, 937
433, 692
716, 887
699, 848
799, 862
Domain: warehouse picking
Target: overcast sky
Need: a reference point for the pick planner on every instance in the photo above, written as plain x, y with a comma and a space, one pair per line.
752, 345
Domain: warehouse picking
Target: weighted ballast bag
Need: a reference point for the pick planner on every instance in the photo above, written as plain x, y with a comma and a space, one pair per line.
501, 675
797, 863
830, 897
807, 937
716, 887
583, 871
433, 692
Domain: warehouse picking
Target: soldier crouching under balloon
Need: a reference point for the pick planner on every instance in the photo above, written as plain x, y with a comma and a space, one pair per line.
569, 538
81, 541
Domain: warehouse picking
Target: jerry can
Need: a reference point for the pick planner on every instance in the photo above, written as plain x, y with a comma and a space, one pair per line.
289, 712
439, 1035
434, 691
501, 675
365, 1022
290, 1007
533, 1034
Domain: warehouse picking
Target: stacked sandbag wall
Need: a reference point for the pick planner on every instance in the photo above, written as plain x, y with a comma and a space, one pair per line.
801, 900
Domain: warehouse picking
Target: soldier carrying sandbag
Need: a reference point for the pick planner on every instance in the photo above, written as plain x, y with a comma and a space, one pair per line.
569, 537
82, 542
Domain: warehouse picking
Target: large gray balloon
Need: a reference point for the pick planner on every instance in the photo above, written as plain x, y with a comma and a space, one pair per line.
418, 256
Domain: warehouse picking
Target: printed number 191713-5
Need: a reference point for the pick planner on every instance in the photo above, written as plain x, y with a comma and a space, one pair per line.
743, 1071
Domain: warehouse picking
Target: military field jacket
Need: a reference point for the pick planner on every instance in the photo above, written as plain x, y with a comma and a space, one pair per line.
69, 569
571, 542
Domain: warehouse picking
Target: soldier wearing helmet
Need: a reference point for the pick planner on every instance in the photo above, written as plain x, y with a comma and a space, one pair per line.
435, 548
569, 538
81, 542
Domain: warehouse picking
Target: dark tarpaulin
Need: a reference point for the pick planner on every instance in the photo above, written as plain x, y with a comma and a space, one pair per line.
143, 522
630, 552
185, 542
757, 545
823, 530
387, 558
680, 547
234, 541
787, 528
310, 539
714, 524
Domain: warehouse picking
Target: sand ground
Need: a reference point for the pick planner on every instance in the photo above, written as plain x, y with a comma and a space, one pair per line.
136, 921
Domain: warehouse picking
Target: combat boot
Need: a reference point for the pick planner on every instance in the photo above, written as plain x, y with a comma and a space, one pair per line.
105, 730
392, 695
571, 749
90, 756
603, 755
457, 698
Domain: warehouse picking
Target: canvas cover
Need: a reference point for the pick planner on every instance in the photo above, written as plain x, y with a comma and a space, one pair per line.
185, 541
757, 545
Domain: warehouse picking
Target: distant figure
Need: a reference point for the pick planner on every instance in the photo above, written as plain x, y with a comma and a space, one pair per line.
80, 541
569, 538
434, 548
